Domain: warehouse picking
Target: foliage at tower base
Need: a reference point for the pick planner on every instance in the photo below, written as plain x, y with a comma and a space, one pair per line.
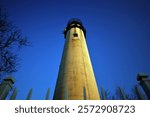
11, 41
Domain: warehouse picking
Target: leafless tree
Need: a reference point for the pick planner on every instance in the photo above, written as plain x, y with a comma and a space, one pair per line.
11, 40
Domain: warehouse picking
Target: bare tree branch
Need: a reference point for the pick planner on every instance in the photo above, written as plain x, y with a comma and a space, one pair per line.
11, 39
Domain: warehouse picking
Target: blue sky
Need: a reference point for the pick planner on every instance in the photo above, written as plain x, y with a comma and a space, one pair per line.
118, 39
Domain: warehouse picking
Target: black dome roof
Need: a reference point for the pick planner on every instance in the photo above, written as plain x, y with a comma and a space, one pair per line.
74, 22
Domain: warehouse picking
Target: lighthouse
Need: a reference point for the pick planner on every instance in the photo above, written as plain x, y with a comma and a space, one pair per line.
76, 80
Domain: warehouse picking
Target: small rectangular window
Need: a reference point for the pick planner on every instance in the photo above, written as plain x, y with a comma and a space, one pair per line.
75, 35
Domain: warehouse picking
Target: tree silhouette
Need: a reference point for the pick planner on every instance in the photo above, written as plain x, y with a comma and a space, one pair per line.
11, 40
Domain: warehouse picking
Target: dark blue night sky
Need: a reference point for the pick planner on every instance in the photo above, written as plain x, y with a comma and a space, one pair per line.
118, 39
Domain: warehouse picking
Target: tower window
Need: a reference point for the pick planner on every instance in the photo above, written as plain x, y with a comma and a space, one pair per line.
75, 35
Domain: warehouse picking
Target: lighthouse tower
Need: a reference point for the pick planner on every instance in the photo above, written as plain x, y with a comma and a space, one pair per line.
76, 80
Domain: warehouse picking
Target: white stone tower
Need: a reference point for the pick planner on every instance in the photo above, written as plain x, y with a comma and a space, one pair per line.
76, 80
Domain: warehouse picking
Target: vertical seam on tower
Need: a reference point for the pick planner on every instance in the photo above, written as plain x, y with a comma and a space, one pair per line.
84, 66
73, 60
